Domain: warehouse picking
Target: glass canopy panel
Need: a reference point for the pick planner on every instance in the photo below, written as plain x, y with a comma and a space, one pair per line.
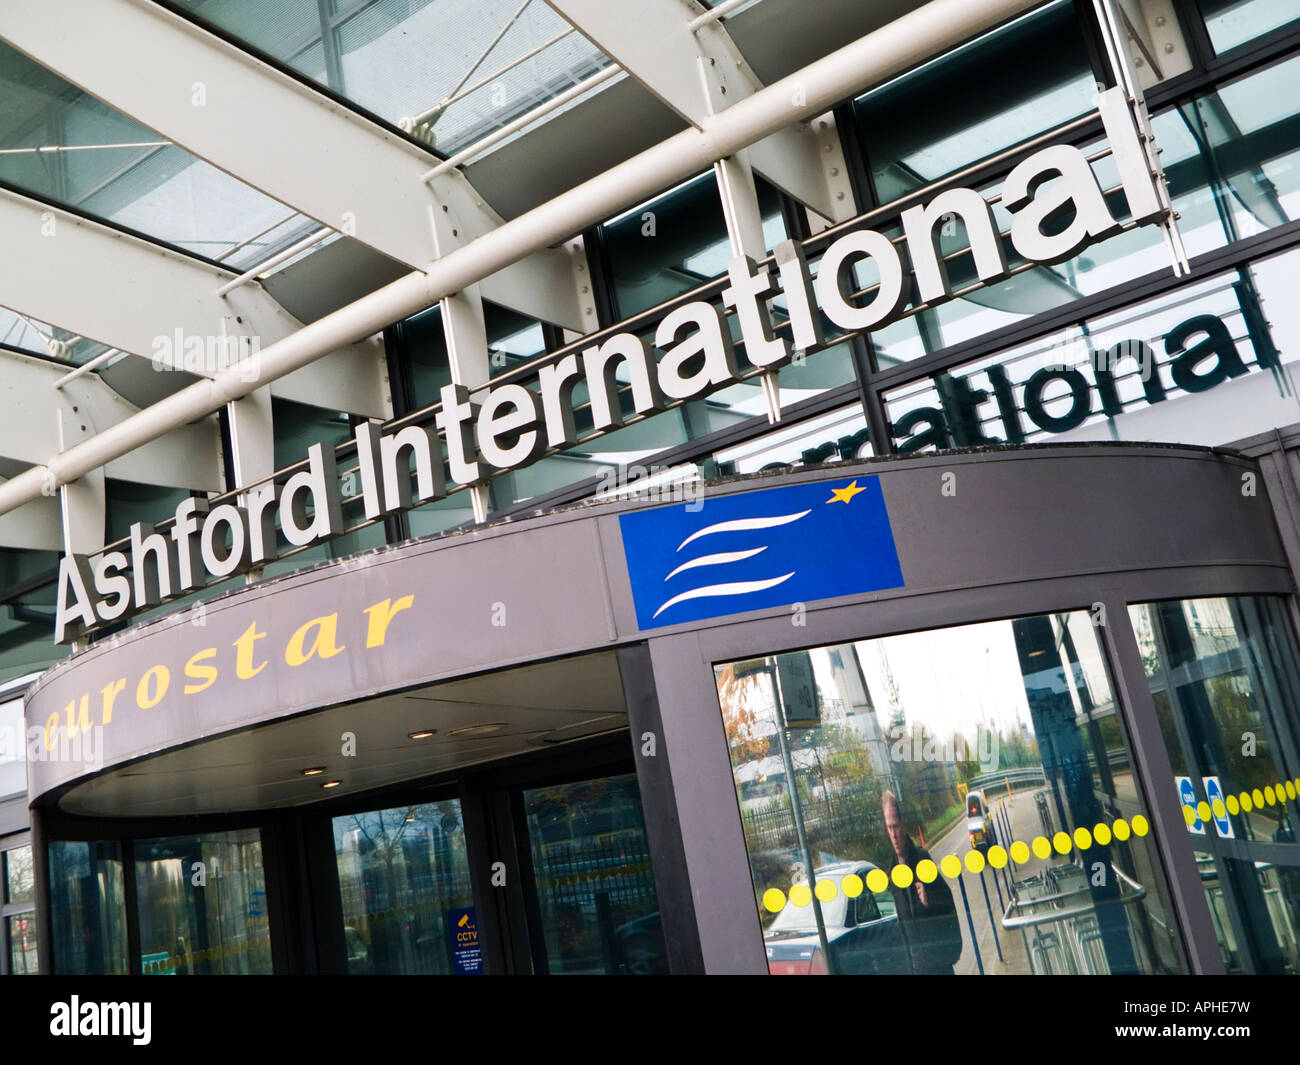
451, 72
1013, 83
64, 146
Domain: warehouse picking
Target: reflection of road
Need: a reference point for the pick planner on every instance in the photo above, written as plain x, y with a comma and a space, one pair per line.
1023, 815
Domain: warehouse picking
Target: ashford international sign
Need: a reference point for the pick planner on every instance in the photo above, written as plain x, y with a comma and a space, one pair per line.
509, 426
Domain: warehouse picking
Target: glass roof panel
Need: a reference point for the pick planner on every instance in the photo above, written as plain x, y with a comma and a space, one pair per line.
449, 71
64, 146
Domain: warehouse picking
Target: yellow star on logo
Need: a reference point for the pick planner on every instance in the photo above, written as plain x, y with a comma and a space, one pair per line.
844, 495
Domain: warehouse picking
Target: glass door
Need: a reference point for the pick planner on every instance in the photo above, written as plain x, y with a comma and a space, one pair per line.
593, 900
404, 883
1225, 678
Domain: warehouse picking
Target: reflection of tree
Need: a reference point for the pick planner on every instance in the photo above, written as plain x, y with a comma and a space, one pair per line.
736, 695
1234, 715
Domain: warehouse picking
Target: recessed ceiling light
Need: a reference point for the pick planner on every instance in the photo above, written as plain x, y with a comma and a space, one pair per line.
410, 818
331, 784
470, 730
422, 734
313, 771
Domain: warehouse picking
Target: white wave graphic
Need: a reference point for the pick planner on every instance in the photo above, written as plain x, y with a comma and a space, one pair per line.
743, 525
736, 588
716, 560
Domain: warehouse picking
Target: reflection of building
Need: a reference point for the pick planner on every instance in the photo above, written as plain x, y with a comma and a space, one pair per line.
345, 385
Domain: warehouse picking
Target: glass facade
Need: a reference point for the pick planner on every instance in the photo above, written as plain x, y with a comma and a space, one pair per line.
951, 801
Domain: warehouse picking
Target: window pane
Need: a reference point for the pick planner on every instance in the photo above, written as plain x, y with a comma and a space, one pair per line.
1013, 83
1232, 158
871, 763
404, 880
1235, 22
676, 242
87, 908
595, 888
840, 436
1208, 363
202, 904
1225, 676
404, 58
22, 944
19, 877
63, 145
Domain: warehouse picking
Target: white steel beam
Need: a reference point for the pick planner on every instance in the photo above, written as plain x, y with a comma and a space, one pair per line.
903, 43
139, 298
701, 72
265, 128
40, 421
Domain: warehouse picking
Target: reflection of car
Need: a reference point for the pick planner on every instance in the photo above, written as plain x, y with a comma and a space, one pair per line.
641, 943
862, 933
978, 822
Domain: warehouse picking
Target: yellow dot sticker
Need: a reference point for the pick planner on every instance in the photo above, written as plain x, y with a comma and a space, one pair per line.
1042, 849
851, 885
1020, 852
975, 861
997, 856
1120, 828
800, 895
1218, 808
1101, 833
1234, 807
901, 875
1203, 810
1290, 790
774, 900
1140, 825
926, 871
877, 881
826, 890
1189, 814
951, 866
1258, 797
1269, 797
1082, 838
1246, 803
1061, 841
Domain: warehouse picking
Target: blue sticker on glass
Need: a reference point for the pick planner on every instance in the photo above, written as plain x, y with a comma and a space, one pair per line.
756, 550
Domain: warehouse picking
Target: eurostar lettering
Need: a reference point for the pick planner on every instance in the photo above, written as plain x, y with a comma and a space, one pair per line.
509, 426
219, 668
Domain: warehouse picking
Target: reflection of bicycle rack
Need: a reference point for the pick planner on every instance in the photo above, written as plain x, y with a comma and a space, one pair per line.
1062, 935
1284, 931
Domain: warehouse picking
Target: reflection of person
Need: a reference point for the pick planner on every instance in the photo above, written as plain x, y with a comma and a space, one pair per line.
926, 912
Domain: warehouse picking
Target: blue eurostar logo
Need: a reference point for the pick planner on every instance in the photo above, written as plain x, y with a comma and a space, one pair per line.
756, 550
